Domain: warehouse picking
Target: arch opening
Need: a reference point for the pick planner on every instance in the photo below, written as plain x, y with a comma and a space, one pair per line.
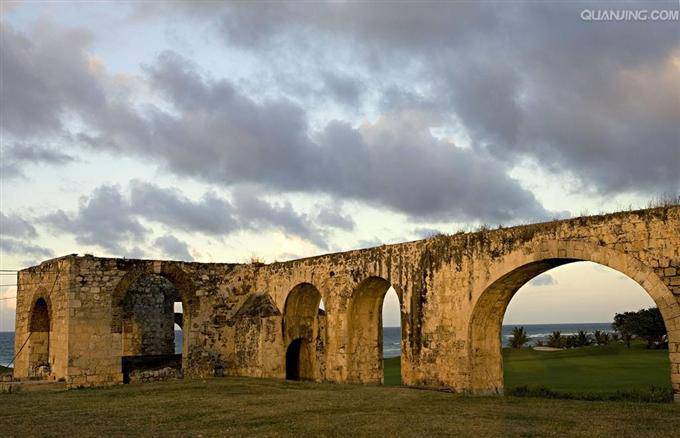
391, 337
148, 336
39, 361
178, 327
304, 322
365, 330
485, 351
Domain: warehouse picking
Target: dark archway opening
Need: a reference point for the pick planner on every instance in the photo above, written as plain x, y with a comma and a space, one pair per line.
39, 364
304, 332
293, 360
148, 331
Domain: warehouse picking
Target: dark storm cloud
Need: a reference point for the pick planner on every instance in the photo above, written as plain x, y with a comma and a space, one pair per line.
110, 219
44, 75
525, 79
103, 219
19, 155
174, 248
343, 88
13, 225
31, 153
218, 134
210, 215
332, 216
222, 135
20, 248
256, 214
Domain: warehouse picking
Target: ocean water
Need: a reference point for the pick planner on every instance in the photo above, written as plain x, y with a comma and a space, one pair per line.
542, 332
391, 341
6, 347
391, 337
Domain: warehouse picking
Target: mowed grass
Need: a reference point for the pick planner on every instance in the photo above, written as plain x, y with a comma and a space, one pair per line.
599, 370
266, 407
588, 369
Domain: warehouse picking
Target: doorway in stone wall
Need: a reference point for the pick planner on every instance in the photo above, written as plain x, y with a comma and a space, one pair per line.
151, 314
304, 334
39, 364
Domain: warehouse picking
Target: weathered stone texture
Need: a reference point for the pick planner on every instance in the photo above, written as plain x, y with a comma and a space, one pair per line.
241, 319
149, 317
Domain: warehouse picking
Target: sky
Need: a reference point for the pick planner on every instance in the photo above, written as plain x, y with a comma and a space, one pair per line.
219, 132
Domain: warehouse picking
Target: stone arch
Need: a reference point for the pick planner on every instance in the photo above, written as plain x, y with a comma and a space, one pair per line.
301, 332
186, 293
180, 279
518, 268
39, 328
365, 331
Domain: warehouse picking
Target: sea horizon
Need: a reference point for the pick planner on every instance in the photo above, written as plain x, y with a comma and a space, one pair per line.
392, 336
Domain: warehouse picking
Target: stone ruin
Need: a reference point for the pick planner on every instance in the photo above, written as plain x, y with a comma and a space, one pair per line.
98, 321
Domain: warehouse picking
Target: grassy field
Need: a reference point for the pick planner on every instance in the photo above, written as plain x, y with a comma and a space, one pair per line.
588, 369
242, 406
578, 370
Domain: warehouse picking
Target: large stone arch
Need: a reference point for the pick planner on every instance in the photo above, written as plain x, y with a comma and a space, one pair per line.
365, 343
519, 267
301, 332
182, 282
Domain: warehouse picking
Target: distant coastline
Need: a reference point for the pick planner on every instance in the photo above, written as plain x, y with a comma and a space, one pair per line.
391, 336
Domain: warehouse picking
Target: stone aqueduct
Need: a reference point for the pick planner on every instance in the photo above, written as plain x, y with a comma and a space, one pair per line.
245, 319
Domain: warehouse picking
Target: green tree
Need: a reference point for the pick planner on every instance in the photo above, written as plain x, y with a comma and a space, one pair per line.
555, 340
623, 324
582, 339
519, 337
645, 324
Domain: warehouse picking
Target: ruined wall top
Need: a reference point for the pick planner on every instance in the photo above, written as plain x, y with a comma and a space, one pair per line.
495, 242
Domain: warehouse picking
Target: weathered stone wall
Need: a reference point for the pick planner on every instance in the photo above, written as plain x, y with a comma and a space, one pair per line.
453, 290
149, 317
51, 282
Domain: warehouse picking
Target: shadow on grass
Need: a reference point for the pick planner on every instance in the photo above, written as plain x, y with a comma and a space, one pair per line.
651, 394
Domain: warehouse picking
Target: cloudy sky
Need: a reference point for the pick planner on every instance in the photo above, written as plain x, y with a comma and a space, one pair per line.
215, 131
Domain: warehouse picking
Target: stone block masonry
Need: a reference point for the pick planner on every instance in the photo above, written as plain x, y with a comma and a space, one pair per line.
80, 315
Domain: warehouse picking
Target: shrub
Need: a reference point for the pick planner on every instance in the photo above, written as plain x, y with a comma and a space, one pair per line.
651, 394
569, 341
555, 340
582, 339
601, 337
519, 337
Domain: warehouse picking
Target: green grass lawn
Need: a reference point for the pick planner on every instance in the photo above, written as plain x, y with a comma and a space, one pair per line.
266, 407
588, 369
579, 370
243, 406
